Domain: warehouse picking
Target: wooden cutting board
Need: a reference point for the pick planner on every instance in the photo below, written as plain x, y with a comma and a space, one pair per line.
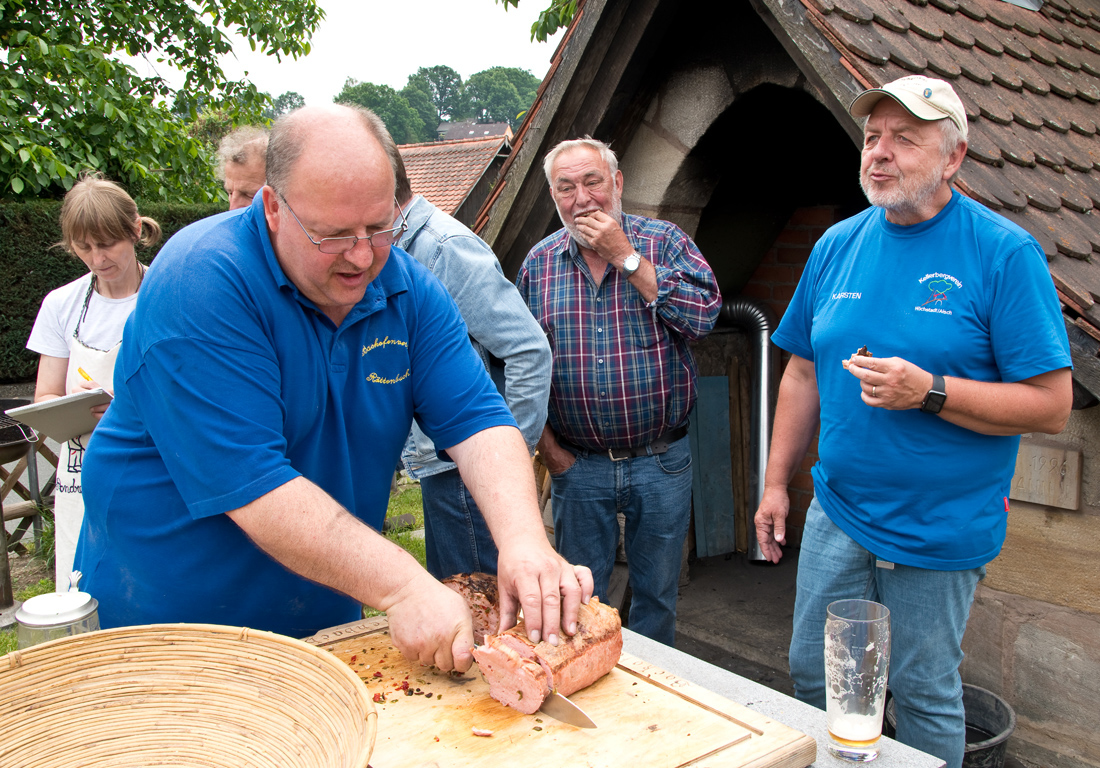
645, 717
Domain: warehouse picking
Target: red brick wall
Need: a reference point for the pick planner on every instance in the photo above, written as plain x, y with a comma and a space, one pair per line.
773, 284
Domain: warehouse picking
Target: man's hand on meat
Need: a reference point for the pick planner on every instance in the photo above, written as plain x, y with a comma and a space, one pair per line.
432, 624
535, 579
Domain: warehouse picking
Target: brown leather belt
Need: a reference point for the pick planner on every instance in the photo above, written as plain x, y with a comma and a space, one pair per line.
654, 447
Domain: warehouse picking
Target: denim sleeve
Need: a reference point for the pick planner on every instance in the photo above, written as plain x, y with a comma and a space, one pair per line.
498, 320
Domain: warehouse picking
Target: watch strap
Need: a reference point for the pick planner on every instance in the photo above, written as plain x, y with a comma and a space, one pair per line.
934, 399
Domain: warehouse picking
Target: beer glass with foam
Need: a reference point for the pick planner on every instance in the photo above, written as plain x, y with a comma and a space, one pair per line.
857, 661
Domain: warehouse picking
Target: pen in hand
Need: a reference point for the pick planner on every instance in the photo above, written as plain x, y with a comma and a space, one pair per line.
84, 373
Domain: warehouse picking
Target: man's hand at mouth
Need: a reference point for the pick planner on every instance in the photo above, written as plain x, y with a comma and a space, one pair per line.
604, 234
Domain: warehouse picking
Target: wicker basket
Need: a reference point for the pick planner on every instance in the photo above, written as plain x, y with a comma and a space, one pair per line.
182, 695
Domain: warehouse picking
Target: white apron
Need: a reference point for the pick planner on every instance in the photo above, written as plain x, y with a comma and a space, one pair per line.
68, 502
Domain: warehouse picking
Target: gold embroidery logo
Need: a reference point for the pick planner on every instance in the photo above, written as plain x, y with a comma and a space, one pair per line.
386, 342
374, 377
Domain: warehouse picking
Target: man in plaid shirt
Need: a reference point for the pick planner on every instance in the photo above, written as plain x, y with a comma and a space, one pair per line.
620, 298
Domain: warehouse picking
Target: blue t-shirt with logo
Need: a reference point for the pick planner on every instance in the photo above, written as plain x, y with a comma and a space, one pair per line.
230, 383
966, 294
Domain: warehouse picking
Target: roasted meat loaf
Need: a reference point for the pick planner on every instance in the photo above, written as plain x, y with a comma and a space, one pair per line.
480, 592
521, 673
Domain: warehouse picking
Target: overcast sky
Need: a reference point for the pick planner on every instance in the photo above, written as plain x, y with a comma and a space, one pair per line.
385, 42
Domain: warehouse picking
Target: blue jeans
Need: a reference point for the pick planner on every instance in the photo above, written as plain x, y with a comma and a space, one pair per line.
928, 614
456, 538
654, 494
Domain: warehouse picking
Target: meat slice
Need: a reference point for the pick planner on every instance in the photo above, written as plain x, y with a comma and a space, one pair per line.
521, 673
481, 594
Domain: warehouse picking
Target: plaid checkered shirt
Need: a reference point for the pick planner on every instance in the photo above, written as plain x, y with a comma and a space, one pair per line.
623, 372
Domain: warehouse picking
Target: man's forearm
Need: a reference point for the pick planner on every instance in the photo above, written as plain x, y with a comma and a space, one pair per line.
306, 530
498, 472
797, 413
1038, 404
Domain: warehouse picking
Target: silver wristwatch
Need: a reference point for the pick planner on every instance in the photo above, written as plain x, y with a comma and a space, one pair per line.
631, 264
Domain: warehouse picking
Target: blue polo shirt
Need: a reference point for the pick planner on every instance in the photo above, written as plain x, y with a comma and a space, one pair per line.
230, 383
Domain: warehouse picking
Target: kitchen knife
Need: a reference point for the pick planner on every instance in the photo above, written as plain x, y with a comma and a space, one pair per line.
561, 708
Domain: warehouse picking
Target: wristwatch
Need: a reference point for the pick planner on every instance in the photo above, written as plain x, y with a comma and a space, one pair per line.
934, 400
631, 264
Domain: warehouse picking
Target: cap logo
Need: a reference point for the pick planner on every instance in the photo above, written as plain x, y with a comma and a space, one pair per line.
927, 93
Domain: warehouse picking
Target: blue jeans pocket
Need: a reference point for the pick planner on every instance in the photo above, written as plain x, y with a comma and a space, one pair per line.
676, 460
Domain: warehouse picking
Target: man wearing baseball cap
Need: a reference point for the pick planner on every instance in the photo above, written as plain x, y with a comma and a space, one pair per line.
962, 349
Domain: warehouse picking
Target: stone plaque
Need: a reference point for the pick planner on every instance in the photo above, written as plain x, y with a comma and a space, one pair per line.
1047, 474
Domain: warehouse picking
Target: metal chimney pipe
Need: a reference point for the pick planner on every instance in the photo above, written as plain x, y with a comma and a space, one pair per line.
758, 319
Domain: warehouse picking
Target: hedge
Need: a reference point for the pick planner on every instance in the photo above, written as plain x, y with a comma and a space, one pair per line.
30, 268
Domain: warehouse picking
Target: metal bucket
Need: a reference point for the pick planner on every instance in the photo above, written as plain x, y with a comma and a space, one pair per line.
989, 723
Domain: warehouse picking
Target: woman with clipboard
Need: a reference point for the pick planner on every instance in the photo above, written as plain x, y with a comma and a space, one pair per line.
79, 327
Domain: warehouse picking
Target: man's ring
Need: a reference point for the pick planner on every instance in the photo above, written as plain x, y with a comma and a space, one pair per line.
873, 391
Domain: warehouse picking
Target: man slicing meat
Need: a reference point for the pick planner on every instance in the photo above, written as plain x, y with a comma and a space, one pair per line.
262, 399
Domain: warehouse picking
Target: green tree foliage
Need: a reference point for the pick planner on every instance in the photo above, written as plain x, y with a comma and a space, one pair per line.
286, 102
445, 90
558, 16
501, 94
403, 122
422, 105
66, 103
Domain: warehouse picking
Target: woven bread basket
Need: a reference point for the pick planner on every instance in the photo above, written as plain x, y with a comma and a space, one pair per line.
185, 695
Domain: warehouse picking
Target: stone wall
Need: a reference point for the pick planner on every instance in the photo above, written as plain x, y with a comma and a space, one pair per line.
1034, 631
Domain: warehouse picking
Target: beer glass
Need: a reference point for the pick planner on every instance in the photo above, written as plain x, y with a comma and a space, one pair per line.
857, 660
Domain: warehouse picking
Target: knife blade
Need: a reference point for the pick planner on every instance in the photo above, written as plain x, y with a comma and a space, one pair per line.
561, 708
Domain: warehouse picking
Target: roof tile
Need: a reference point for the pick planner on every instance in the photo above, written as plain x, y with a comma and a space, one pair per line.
1025, 110
972, 66
1029, 75
986, 40
1088, 183
1079, 151
982, 147
925, 20
886, 16
1071, 196
444, 172
862, 39
1015, 148
994, 184
972, 9
902, 52
854, 10
939, 61
958, 32
988, 100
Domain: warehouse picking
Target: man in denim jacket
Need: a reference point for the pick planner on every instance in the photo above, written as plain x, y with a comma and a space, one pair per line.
503, 333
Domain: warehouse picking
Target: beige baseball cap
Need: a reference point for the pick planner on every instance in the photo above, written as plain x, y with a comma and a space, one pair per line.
924, 97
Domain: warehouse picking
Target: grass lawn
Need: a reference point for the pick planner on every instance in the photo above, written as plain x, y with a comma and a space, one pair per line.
406, 500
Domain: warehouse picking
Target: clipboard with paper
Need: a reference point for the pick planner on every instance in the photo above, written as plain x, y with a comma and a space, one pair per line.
63, 418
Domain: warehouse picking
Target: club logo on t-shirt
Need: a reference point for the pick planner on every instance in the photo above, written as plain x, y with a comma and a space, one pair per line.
938, 288
378, 344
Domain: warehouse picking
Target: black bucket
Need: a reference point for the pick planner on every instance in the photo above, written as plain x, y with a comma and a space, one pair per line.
989, 723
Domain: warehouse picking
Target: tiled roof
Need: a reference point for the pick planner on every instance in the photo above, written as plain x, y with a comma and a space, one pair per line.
470, 129
444, 172
1030, 82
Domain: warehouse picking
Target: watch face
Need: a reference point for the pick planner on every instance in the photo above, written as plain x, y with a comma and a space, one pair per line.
631, 263
933, 402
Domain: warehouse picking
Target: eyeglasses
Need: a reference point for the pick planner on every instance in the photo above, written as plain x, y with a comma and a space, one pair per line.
337, 245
